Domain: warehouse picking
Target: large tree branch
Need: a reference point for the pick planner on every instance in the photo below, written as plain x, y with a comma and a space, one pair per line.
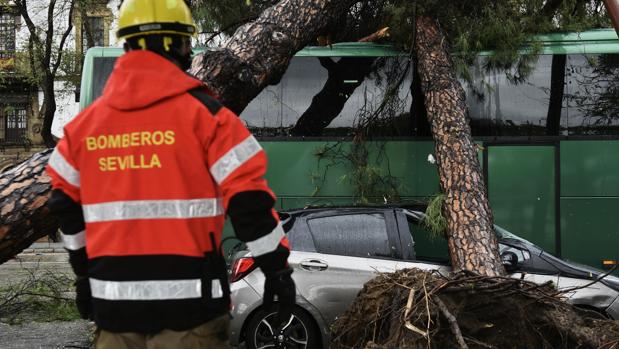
49, 34
22, 6
259, 52
228, 27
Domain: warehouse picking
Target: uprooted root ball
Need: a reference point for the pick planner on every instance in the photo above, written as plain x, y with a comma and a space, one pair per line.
418, 309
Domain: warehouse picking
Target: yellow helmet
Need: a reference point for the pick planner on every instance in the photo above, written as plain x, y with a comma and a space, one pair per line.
144, 17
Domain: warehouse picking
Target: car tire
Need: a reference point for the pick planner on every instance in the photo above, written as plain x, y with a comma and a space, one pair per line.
300, 332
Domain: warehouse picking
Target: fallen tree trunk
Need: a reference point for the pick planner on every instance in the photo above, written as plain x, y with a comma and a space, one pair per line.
24, 218
255, 56
471, 239
258, 53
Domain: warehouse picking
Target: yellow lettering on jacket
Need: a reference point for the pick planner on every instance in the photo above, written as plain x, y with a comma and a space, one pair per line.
91, 143
169, 137
130, 139
129, 162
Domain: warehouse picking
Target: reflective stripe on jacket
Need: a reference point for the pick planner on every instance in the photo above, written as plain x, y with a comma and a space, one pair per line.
154, 163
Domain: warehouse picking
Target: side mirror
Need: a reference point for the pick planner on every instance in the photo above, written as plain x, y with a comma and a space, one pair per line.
510, 261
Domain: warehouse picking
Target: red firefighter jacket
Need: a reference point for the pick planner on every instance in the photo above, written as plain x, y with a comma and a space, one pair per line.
155, 163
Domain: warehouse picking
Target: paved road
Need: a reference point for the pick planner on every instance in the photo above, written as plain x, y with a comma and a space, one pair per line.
41, 258
46, 335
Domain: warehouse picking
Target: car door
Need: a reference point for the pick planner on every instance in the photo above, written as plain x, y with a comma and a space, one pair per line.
349, 249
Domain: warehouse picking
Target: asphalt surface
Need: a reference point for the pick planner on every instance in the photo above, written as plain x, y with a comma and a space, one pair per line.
41, 258
74, 334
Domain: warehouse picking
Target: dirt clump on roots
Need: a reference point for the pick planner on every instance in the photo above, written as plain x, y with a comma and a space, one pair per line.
419, 309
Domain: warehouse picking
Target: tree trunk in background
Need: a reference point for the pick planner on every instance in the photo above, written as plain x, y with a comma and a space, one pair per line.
48, 109
471, 239
557, 86
344, 76
256, 55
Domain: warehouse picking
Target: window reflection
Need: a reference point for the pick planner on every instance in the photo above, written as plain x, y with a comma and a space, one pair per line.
593, 94
505, 108
565, 95
323, 96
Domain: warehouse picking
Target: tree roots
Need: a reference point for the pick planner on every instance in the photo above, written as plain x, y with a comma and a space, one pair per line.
418, 309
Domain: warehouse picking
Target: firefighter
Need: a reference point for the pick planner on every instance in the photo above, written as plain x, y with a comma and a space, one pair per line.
142, 181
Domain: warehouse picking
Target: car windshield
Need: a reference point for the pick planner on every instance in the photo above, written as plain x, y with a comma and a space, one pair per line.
504, 234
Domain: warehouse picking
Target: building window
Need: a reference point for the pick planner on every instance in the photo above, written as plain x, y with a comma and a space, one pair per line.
92, 32
7, 34
14, 121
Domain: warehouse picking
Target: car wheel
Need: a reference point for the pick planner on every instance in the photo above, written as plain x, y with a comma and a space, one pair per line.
298, 333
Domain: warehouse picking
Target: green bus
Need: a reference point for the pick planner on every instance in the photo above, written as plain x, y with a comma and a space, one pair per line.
344, 125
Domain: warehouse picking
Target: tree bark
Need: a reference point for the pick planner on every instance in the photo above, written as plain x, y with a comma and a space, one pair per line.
48, 109
471, 239
24, 191
257, 55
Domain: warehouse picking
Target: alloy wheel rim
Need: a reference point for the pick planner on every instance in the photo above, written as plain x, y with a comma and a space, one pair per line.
294, 334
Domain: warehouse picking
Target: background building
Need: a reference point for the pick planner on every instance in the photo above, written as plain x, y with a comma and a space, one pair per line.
21, 95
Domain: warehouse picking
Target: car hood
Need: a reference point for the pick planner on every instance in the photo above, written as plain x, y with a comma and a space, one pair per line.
577, 270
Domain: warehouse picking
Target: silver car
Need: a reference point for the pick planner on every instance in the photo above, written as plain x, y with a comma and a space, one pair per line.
334, 251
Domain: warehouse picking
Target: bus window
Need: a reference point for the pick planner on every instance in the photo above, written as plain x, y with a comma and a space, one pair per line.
102, 68
593, 94
324, 96
500, 107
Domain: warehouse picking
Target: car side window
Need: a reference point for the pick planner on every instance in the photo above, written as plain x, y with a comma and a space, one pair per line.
298, 236
428, 248
358, 235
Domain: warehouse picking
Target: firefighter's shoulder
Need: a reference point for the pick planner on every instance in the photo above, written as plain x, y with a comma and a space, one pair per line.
203, 95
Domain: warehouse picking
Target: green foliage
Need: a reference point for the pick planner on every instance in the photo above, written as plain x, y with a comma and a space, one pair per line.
502, 27
367, 171
42, 296
434, 221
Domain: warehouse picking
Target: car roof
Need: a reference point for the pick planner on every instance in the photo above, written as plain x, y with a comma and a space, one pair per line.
352, 208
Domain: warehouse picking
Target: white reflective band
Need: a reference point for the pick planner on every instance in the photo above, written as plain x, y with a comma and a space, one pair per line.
234, 158
146, 290
74, 242
216, 290
152, 209
63, 168
267, 243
